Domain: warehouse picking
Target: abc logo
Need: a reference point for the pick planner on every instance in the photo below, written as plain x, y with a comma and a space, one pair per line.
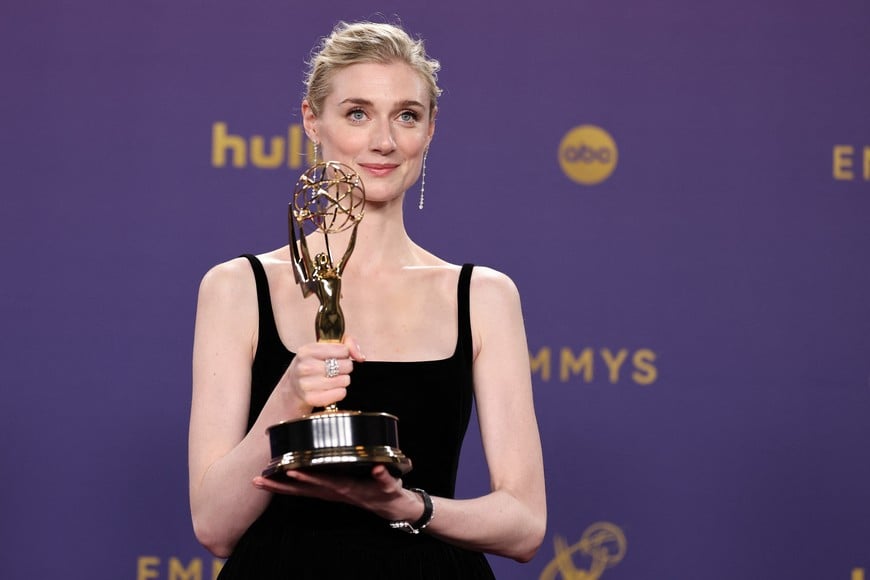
587, 154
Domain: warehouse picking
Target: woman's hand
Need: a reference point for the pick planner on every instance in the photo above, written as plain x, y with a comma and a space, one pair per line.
313, 380
381, 493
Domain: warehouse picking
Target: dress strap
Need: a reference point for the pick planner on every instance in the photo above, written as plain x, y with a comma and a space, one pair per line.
465, 346
268, 331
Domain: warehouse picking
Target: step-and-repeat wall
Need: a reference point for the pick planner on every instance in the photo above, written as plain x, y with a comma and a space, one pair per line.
680, 190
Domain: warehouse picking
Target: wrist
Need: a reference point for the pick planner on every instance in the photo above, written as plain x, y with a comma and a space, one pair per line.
416, 526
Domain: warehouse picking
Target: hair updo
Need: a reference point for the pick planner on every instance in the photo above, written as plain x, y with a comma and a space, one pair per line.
364, 42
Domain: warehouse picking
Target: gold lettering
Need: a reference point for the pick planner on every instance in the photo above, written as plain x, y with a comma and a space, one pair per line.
179, 572
843, 162
221, 141
216, 567
646, 372
582, 364
573, 365
866, 163
270, 160
858, 574
294, 147
300, 151
542, 363
145, 567
613, 363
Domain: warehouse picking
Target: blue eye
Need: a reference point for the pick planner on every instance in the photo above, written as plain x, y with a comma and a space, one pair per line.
357, 115
409, 116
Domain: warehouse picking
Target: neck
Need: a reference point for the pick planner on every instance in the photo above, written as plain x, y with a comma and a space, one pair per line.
382, 242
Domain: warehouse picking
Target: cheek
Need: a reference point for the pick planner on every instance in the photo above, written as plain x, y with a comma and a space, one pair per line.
414, 145
340, 144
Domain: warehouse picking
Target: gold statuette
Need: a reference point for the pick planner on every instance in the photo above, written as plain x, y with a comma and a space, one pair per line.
330, 197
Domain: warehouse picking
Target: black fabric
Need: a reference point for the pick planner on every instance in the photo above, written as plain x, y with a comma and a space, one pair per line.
307, 538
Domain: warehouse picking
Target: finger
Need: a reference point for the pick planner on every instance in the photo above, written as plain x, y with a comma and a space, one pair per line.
353, 349
384, 478
319, 368
328, 397
275, 486
321, 480
344, 367
324, 350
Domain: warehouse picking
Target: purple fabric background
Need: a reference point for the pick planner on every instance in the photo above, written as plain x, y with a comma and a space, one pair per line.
723, 243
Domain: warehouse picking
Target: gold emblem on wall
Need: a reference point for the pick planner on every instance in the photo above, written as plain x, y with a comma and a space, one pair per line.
601, 546
587, 154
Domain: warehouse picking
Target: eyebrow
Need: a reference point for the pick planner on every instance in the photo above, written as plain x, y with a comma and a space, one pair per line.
401, 105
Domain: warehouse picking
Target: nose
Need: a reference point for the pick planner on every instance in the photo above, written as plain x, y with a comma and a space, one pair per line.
382, 138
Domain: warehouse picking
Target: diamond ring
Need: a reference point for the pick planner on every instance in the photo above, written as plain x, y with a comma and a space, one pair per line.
331, 367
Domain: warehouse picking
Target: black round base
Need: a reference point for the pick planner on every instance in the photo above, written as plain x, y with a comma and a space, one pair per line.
346, 442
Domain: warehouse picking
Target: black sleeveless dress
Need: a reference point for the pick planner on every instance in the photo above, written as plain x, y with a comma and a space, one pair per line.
304, 538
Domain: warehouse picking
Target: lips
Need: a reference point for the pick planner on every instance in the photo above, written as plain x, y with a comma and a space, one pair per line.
378, 169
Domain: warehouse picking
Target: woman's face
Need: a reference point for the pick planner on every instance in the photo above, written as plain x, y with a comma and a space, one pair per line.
376, 119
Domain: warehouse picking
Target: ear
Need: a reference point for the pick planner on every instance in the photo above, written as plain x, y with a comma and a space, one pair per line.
432, 124
309, 121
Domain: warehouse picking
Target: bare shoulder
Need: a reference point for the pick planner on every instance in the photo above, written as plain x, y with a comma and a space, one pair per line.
230, 280
496, 315
489, 286
226, 310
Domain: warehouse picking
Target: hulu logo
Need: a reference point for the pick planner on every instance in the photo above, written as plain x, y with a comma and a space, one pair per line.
292, 151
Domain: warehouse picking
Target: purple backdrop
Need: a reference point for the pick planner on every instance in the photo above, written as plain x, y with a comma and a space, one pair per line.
698, 319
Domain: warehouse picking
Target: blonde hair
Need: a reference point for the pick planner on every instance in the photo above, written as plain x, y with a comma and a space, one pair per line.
352, 43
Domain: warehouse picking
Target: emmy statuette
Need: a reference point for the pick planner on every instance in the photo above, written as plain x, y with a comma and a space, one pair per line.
330, 197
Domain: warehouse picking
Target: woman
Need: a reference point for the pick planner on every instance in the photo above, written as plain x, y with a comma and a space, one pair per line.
434, 336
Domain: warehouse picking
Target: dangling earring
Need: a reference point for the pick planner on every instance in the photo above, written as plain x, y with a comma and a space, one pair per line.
314, 161
423, 179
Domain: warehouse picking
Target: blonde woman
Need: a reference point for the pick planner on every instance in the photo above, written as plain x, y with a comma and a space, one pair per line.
424, 339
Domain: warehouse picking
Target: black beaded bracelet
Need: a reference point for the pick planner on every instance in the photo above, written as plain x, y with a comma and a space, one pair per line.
425, 519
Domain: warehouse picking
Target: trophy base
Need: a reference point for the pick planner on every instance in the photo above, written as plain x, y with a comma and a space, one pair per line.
353, 461
341, 442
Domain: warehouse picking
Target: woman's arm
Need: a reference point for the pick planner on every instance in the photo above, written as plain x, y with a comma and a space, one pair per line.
223, 459
511, 519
